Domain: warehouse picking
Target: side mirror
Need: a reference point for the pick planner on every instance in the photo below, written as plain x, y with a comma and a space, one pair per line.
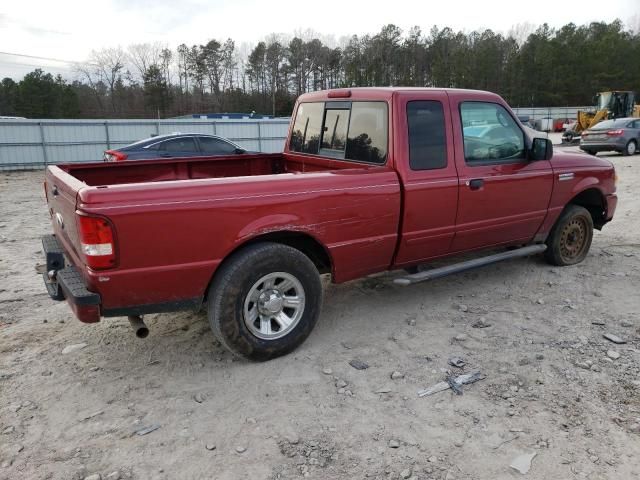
541, 149
240, 150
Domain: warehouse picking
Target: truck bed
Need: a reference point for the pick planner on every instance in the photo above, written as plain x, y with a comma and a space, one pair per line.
175, 220
162, 170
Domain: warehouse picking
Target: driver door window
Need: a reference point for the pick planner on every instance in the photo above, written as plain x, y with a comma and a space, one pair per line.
490, 134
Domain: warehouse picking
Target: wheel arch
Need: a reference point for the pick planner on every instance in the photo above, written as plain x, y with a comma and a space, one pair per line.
594, 201
301, 241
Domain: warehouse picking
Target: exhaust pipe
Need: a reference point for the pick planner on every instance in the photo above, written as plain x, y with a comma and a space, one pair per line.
142, 331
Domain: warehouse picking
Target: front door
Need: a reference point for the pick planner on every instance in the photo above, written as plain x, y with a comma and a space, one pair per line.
503, 196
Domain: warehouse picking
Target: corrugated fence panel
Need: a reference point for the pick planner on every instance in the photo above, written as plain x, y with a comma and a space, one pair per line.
75, 153
36, 143
536, 113
123, 133
187, 127
252, 145
23, 155
74, 133
19, 132
238, 131
273, 129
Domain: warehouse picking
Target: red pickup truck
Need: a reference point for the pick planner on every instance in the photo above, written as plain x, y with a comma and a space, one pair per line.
371, 179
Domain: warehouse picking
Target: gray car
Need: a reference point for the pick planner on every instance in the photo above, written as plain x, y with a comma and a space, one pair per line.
620, 135
174, 145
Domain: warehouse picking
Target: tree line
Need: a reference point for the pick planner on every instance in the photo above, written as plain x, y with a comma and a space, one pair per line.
541, 67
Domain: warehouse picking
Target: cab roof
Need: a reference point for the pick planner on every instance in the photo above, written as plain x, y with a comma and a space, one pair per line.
385, 93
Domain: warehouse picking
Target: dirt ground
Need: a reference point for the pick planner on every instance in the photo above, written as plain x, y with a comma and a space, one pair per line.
551, 386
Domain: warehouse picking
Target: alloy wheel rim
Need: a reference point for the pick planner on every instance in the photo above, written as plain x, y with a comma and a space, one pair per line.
573, 239
274, 305
631, 148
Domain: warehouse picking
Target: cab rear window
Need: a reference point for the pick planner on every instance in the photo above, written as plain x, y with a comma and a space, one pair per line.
355, 131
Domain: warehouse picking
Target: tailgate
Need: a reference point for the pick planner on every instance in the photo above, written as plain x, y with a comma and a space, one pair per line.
62, 189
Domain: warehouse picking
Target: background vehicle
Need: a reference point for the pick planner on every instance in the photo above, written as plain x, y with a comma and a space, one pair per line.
174, 145
371, 179
620, 135
609, 106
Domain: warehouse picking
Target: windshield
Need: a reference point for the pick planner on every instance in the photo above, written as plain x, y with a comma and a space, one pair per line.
604, 100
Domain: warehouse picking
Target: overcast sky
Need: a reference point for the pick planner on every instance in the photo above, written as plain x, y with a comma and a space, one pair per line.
68, 30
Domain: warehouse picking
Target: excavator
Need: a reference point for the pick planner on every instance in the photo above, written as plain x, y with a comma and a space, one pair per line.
609, 105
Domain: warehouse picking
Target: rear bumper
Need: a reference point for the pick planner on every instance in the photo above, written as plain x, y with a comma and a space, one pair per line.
603, 146
64, 282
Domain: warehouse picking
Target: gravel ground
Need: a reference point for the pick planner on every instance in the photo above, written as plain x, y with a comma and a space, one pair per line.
177, 406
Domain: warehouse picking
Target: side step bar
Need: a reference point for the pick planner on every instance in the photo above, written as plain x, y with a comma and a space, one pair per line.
469, 264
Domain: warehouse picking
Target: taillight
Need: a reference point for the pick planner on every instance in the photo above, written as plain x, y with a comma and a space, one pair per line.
97, 241
615, 133
114, 156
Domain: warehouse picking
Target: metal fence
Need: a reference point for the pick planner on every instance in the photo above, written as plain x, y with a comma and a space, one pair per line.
31, 144
558, 113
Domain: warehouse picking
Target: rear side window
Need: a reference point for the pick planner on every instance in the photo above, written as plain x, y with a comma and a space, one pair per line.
367, 139
305, 136
184, 144
215, 146
346, 130
427, 141
490, 134
334, 133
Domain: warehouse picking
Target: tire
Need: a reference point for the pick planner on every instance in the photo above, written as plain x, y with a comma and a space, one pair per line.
630, 148
249, 285
570, 238
591, 152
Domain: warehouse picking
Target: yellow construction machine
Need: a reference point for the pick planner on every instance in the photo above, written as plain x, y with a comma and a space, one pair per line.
608, 105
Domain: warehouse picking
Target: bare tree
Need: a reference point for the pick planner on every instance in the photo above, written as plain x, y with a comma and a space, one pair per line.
143, 55
229, 63
88, 72
521, 31
104, 67
634, 24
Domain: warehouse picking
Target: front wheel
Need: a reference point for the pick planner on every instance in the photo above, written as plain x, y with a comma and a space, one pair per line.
265, 300
570, 238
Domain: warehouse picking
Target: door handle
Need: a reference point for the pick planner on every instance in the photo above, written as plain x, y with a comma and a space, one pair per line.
475, 184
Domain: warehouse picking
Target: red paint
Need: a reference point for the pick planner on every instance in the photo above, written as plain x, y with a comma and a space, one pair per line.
175, 220
86, 313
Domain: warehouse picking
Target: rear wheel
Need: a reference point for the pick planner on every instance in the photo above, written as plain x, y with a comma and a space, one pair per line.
570, 238
630, 148
590, 152
264, 301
